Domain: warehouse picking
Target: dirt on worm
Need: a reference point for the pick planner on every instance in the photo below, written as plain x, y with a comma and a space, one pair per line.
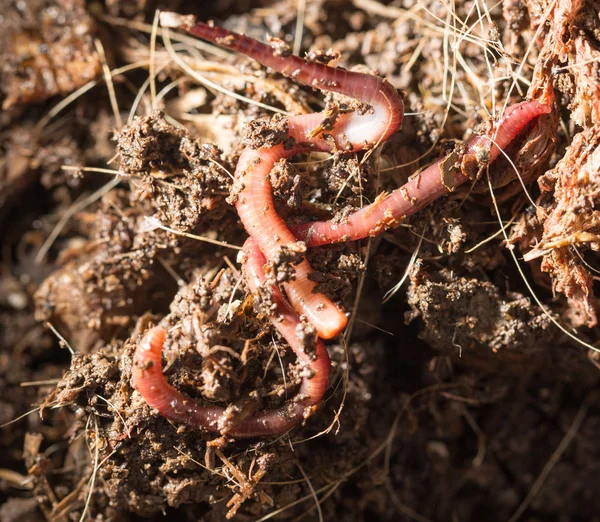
454, 396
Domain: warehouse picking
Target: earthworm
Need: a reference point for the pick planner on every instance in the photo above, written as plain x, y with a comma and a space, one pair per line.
326, 131
435, 181
150, 382
381, 117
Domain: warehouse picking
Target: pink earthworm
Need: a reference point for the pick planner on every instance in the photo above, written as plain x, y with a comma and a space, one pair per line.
438, 179
269, 234
150, 382
381, 117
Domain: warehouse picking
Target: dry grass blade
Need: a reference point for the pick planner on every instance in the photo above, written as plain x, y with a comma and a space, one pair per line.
43, 382
153, 223
95, 464
208, 83
62, 341
491, 237
71, 211
312, 491
109, 84
15, 479
142, 27
20, 417
413, 258
573, 239
65, 102
149, 82
301, 12
152, 72
69, 502
554, 459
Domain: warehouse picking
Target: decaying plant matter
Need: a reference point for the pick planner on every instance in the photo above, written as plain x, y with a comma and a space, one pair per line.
568, 226
200, 383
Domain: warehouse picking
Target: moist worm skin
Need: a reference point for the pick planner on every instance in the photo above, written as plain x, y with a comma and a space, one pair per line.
350, 131
269, 233
418, 192
150, 382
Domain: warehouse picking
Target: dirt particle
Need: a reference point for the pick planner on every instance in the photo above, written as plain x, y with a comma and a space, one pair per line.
266, 132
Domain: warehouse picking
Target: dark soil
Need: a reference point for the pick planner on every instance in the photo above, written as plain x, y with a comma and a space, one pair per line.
456, 399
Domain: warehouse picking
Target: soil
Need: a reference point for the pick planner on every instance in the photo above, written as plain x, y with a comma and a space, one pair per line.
453, 397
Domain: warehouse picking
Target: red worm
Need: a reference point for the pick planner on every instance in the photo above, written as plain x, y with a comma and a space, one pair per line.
349, 131
149, 380
269, 234
424, 188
